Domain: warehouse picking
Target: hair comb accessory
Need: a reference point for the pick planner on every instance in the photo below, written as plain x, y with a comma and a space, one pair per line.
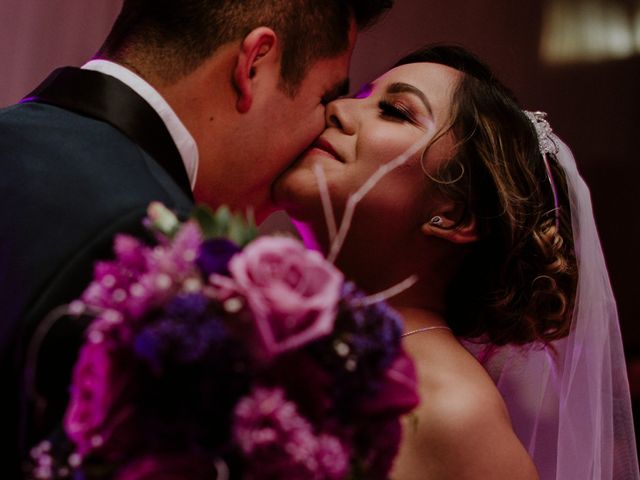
547, 146
544, 131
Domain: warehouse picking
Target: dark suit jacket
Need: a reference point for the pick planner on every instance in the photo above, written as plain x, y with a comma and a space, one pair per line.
76, 167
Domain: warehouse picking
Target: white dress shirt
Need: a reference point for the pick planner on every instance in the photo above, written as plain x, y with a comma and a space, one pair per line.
181, 137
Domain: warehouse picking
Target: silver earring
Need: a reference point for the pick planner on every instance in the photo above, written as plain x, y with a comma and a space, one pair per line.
437, 220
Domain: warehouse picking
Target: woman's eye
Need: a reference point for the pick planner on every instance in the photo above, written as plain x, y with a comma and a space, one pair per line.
395, 110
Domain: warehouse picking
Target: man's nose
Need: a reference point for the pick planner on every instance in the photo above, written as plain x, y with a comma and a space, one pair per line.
339, 114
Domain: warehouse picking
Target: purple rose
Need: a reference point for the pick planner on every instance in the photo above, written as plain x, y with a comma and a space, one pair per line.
398, 393
292, 292
214, 256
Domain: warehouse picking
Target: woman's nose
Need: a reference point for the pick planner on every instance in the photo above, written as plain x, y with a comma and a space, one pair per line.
339, 114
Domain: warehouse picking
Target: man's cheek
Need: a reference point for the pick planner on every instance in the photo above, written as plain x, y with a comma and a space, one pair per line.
316, 124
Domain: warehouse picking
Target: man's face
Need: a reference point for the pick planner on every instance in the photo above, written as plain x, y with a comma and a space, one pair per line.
284, 126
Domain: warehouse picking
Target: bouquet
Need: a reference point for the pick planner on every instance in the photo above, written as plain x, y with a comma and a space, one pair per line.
219, 354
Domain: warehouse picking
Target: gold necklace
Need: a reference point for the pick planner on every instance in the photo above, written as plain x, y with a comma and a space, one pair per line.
423, 329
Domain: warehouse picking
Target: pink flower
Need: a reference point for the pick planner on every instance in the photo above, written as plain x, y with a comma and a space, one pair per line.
142, 277
90, 399
100, 380
333, 458
278, 442
292, 292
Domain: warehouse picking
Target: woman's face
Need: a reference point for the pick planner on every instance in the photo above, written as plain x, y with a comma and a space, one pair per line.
404, 106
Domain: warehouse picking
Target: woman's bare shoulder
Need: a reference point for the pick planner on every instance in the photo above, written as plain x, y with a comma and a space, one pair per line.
461, 428
459, 402
452, 381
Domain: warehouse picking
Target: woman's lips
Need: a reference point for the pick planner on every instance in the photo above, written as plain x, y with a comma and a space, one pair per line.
325, 147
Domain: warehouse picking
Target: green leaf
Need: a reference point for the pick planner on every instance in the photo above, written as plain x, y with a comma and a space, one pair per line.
235, 227
162, 220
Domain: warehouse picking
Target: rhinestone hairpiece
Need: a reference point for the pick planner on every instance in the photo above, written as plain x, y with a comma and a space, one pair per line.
544, 131
547, 145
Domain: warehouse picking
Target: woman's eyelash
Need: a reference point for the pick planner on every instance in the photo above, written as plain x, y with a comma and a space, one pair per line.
395, 110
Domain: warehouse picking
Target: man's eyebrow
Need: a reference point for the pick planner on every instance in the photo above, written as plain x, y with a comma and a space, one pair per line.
338, 90
400, 87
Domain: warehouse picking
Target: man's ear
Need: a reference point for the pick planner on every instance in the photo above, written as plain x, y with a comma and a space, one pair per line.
256, 48
445, 225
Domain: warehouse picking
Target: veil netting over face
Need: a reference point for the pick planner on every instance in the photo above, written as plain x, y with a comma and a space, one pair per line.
569, 401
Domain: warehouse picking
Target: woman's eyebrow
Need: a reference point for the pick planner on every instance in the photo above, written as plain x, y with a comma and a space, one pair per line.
400, 87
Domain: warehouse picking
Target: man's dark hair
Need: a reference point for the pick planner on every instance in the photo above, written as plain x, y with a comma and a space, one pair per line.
180, 34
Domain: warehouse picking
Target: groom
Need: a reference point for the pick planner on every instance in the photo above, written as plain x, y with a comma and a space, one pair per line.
191, 99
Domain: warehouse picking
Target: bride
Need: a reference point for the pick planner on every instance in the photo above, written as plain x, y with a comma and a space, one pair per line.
470, 212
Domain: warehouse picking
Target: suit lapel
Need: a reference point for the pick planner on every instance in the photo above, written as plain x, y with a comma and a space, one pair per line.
105, 98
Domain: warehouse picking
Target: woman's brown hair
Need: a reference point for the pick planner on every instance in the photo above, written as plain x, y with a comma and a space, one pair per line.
518, 282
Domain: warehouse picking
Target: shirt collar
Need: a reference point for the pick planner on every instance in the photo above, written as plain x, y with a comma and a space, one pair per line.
185, 143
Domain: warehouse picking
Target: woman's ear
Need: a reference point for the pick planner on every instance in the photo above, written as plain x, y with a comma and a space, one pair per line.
445, 225
256, 49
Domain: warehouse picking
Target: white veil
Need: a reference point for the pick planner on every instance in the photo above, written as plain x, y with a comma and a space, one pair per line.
569, 402
571, 408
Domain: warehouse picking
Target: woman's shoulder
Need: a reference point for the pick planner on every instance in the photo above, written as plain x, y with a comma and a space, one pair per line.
457, 395
461, 429
451, 379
